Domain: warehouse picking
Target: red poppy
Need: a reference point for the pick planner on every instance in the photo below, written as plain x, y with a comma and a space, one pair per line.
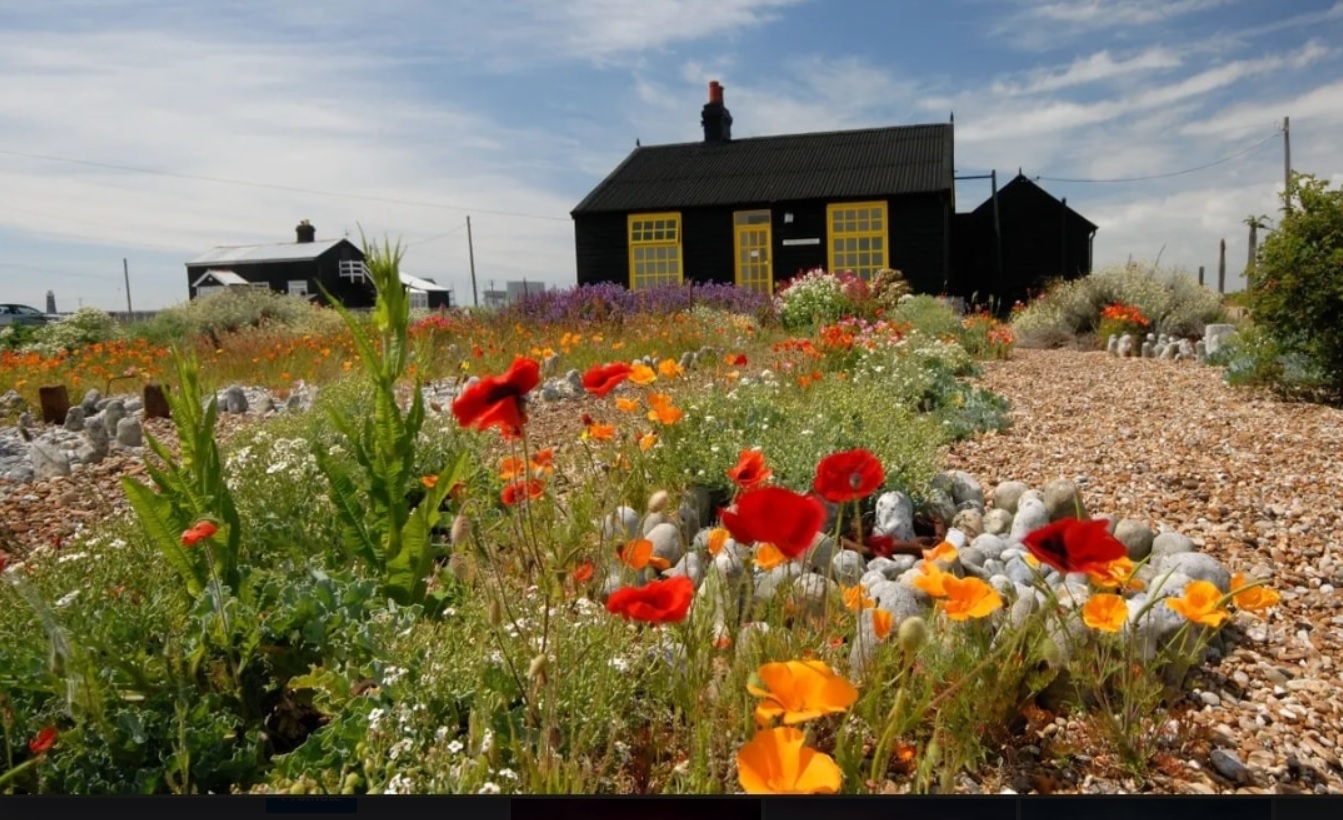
200, 531
750, 470
604, 378
736, 359
848, 476
518, 490
583, 572
655, 603
778, 516
881, 545
45, 740
1070, 545
498, 401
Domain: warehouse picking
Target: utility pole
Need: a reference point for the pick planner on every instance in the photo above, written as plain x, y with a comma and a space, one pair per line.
1287, 154
126, 275
471, 254
1221, 268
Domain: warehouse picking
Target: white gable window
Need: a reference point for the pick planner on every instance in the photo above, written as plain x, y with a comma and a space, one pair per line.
298, 287
353, 270
419, 300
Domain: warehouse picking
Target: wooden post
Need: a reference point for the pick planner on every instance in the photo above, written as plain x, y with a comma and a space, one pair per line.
156, 403
55, 402
1200, 276
1221, 268
1063, 239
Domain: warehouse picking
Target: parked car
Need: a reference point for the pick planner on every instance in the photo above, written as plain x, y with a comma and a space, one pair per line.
24, 315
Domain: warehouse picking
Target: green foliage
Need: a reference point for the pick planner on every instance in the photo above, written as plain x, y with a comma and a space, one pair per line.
380, 525
1172, 299
86, 326
234, 309
190, 488
928, 315
1296, 289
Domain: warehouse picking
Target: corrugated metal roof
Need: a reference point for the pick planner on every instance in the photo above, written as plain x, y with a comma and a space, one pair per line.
223, 277
830, 165
279, 252
421, 284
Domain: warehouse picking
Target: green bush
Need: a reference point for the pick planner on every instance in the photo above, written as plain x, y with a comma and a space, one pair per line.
1172, 299
86, 326
234, 309
1296, 287
927, 314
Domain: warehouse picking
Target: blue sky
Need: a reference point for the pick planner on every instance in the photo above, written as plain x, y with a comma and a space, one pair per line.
404, 116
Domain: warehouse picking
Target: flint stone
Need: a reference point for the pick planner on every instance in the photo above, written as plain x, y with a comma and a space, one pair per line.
848, 567
892, 567
991, 546
690, 566
622, 524
820, 553
1125, 348
667, 543
1169, 543
652, 520
1112, 346
1062, 500
871, 578
901, 600
971, 522
90, 402
768, 583
939, 505
1031, 515
1136, 536
961, 485
810, 592
1148, 351
1200, 566
997, 522
74, 418
235, 400
113, 413
575, 381
1215, 336
129, 433
48, 461
1007, 494
895, 516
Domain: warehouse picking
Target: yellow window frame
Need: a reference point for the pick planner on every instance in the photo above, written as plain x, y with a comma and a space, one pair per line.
858, 237
655, 249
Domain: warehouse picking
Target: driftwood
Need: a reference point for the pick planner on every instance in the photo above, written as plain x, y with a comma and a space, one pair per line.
55, 403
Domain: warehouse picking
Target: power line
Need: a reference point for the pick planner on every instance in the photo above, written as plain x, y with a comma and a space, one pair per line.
275, 187
1238, 155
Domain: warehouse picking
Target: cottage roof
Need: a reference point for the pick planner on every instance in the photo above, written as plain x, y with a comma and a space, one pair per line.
426, 285
224, 277
276, 252
1022, 185
827, 165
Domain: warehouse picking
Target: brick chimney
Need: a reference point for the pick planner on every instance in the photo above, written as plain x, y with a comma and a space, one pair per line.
715, 118
306, 232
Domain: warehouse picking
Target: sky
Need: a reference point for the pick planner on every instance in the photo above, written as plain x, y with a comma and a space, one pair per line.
152, 131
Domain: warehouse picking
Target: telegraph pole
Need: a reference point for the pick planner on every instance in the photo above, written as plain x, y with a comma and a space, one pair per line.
1287, 158
126, 275
471, 254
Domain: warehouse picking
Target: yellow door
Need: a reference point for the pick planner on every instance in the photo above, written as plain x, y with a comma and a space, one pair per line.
752, 244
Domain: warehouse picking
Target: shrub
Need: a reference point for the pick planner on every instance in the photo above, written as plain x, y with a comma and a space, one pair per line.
812, 299
609, 302
928, 314
86, 326
234, 309
1297, 285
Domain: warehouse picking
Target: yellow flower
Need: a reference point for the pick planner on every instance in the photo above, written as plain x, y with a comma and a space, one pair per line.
718, 537
1117, 573
647, 440
856, 599
932, 579
1105, 611
627, 405
969, 598
670, 369
1201, 604
882, 622
768, 556
777, 761
945, 551
798, 691
1250, 596
642, 375
638, 554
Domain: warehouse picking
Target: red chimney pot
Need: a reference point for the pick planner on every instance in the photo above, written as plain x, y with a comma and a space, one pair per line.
715, 93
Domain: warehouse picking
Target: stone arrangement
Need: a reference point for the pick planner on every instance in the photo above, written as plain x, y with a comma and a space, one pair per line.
1172, 348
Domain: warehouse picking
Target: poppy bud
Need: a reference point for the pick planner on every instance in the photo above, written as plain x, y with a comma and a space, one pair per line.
461, 530
537, 669
912, 635
658, 501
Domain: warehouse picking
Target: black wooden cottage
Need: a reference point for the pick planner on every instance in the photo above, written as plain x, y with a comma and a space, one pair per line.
289, 267
1034, 238
760, 210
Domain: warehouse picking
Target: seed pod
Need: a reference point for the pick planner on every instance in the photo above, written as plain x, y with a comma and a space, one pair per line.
461, 530
912, 635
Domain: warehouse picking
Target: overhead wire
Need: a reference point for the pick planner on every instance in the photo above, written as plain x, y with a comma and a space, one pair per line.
1260, 144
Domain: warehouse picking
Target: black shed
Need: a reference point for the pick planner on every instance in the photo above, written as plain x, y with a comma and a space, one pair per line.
287, 267
1042, 239
760, 210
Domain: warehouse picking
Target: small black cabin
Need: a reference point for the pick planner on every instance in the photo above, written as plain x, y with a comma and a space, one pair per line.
288, 267
760, 210
1041, 239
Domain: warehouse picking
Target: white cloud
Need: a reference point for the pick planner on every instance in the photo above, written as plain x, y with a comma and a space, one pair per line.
1322, 107
1094, 14
1091, 69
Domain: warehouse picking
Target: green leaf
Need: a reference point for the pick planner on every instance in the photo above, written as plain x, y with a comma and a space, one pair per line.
156, 515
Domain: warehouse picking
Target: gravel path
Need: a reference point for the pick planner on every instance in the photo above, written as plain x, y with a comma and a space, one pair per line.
1256, 483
